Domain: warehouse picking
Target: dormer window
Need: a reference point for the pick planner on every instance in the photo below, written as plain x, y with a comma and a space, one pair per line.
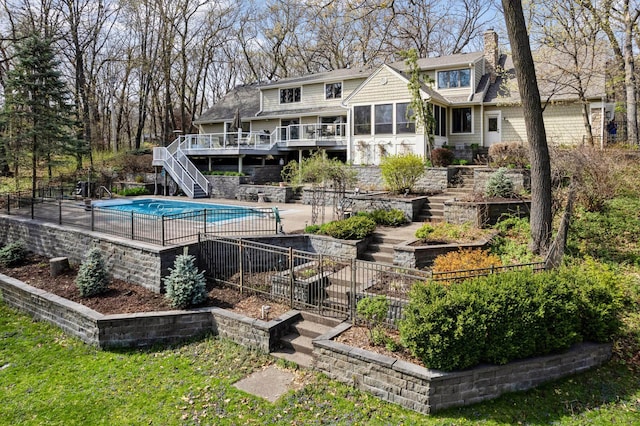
453, 79
333, 91
290, 95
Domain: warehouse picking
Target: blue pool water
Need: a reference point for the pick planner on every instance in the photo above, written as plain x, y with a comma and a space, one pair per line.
156, 207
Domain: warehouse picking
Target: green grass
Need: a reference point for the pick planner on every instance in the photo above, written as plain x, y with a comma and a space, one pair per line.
49, 378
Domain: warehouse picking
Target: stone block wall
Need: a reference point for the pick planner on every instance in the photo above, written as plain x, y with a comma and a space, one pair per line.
434, 179
342, 248
521, 179
142, 329
73, 318
270, 193
225, 186
483, 214
427, 391
410, 206
133, 261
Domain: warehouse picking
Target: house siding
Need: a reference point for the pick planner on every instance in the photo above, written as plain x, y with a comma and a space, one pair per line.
376, 92
563, 124
466, 138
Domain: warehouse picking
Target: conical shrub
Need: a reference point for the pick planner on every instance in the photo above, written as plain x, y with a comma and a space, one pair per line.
185, 286
92, 277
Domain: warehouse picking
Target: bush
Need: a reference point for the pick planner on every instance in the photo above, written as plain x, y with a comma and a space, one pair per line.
138, 190
502, 317
92, 276
353, 228
12, 254
185, 286
511, 245
374, 311
401, 172
442, 157
511, 155
465, 259
393, 217
312, 229
449, 232
499, 185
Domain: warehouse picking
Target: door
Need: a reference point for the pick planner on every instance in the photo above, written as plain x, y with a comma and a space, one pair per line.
492, 127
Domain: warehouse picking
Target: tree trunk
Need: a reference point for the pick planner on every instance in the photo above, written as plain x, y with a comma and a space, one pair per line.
630, 77
532, 109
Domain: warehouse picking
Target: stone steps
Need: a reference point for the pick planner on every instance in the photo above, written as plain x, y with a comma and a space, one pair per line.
297, 346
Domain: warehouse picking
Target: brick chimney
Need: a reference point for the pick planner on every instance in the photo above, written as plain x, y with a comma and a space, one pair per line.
491, 53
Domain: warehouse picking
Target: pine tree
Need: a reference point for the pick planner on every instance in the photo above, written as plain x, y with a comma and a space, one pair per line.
185, 286
92, 278
38, 113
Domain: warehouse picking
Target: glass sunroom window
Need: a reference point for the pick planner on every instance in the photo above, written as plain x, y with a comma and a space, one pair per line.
362, 120
384, 119
404, 122
461, 120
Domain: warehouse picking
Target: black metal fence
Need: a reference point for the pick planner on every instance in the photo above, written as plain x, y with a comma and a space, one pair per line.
327, 284
163, 229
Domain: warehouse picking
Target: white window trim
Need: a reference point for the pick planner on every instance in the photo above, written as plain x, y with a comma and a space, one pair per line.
341, 91
473, 119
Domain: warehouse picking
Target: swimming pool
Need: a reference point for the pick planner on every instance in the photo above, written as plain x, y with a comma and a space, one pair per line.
175, 208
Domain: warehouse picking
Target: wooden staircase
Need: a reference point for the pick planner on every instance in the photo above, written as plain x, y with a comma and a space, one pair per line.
297, 346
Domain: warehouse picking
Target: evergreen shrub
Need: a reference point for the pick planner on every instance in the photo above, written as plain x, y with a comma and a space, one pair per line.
503, 317
499, 185
392, 217
352, 228
92, 278
133, 191
13, 254
185, 286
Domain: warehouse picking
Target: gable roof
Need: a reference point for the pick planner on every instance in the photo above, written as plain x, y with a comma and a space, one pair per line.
244, 98
321, 77
442, 62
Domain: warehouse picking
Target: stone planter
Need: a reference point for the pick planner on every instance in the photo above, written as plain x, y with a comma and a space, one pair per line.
484, 214
306, 290
412, 255
520, 178
426, 391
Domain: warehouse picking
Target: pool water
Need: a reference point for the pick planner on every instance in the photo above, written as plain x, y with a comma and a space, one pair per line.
155, 207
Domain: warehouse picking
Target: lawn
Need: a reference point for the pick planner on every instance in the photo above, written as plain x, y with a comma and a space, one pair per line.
49, 378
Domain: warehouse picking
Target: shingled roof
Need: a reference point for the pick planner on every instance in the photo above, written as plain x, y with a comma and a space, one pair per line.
245, 98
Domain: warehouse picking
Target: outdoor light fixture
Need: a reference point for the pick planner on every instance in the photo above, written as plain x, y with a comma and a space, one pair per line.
265, 311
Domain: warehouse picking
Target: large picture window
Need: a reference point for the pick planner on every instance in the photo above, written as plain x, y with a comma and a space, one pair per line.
384, 119
362, 120
454, 78
333, 90
461, 120
404, 122
290, 95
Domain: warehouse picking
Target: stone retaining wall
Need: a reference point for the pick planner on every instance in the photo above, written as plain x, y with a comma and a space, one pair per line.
434, 179
483, 214
411, 255
132, 261
269, 193
426, 391
521, 179
225, 186
410, 206
142, 329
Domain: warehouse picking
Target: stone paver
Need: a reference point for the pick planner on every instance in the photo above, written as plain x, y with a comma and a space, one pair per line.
270, 383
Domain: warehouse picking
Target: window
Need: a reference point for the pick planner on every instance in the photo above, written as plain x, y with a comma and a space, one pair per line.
454, 78
440, 116
404, 120
290, 95
461, 120
384, 118
333, 91
362, 120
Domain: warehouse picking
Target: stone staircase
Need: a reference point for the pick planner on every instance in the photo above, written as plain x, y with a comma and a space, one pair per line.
380, 249
460, 186
297, 346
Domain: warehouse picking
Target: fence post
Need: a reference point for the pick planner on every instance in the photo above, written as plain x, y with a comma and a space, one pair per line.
241, 263
292, 280
60, 211
352, 298
320, 288
132, 230
33, 199
162, 231
205, 221
9, 204
93, 220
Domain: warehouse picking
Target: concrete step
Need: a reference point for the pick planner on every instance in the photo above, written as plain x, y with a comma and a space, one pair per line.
310, 329
321, 319
377, 257
299, 358
298, 343
380, 248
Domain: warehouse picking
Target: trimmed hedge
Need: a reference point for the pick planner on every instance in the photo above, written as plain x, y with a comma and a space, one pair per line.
503, 317
353, 228
392, 217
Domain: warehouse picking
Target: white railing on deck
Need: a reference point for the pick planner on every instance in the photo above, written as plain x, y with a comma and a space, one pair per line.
181, 168
311, 132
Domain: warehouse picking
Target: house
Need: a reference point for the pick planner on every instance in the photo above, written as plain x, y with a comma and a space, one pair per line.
362, 114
